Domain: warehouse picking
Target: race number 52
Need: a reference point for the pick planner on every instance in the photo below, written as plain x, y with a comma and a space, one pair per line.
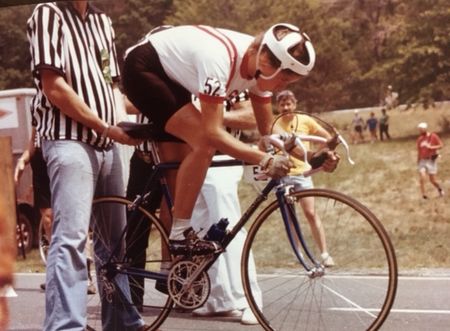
212, 86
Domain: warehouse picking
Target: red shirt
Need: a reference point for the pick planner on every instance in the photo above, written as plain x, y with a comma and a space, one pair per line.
431, 139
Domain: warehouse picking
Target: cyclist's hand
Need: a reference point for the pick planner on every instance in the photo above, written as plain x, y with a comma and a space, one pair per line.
289, 141
265, 145
326, 159
276, 166
118, 134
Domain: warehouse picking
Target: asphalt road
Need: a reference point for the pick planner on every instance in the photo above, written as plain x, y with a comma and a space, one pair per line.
422, 303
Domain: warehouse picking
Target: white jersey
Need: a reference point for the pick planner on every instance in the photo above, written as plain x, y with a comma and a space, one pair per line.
205, 60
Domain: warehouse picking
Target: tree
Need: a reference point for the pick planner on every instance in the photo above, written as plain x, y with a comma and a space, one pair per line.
418, 57
14, 50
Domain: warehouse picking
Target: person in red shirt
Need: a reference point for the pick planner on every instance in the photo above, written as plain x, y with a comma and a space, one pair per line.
428, 143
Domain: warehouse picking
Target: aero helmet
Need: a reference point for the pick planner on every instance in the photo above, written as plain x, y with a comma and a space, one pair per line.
280, 49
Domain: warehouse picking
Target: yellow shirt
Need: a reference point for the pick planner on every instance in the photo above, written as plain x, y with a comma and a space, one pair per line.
302, 124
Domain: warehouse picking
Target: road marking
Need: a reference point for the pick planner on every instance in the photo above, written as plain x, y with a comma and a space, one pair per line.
404, 311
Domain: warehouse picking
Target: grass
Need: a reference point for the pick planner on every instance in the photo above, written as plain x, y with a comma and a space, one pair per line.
385, 180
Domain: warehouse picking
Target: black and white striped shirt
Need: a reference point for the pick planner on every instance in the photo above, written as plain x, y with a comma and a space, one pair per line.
83, 52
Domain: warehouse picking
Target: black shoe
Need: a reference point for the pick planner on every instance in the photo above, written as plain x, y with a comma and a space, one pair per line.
161, 286
42, 286
192, 245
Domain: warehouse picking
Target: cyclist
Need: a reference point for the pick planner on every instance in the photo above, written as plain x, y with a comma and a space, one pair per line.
166, 67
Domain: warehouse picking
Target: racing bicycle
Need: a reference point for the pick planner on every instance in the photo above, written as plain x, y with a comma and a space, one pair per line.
298, 292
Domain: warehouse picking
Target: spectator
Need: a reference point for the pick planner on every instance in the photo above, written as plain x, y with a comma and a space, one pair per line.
357, 128
391, 98
428, 144
74, 66
141, 168
384, 124
372, 125
297, 123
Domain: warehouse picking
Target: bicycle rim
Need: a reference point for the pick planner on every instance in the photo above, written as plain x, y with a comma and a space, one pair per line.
44, 243
357, 293
128, 294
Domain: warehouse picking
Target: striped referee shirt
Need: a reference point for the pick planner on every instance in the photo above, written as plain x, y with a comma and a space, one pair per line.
83, 52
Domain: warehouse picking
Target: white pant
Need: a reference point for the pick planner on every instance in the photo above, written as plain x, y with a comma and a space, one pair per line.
218, 198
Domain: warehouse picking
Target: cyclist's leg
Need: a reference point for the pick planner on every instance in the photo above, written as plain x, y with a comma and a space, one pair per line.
186, 125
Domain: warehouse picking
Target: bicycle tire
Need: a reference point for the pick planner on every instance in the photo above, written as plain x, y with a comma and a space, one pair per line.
155, 306
43, 243
355, 294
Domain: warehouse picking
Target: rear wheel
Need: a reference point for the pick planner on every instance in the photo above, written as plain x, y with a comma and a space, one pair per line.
24, 233
44, 243
140, 294
357, 293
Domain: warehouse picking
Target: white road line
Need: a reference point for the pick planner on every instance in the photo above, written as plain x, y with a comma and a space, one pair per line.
404, 311
354, 304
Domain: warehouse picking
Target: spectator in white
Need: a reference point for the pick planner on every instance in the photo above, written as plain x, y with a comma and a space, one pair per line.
357, 134
218, 199
391, 98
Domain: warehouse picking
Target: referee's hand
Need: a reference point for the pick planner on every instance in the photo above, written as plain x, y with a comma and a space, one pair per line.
118, 134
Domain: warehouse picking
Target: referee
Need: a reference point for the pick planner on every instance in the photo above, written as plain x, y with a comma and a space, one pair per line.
74, 67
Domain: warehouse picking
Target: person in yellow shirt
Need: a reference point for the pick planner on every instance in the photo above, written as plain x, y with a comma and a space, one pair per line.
292, 122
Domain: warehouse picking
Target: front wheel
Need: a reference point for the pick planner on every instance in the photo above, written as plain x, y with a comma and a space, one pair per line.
126, 273
356, 293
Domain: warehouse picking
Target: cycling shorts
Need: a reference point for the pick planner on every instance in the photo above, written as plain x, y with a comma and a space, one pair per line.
151, 91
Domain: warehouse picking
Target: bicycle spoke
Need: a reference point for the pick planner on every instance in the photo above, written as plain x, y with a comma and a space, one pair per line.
355, 294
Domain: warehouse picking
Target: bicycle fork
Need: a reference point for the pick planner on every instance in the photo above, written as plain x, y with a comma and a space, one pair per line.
294, 233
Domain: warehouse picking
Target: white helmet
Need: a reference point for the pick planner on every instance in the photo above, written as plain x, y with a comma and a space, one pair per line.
280, 49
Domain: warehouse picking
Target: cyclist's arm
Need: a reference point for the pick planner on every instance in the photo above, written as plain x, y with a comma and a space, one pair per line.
220, 139
240, 116
262, 108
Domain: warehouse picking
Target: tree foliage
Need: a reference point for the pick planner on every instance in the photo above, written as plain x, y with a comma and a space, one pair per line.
362, 45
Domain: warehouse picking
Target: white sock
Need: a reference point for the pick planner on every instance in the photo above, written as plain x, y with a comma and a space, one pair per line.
179, 225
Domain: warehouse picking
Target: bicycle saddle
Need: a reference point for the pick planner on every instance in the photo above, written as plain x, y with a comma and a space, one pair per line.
138, 130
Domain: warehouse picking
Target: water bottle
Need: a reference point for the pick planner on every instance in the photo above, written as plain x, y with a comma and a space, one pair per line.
217, 231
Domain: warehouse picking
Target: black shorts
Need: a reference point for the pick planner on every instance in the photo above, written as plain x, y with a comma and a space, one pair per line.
151, 91
41, 181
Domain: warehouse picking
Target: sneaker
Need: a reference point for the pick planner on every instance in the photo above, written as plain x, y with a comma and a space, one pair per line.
248, 318
204, 312
327, 260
